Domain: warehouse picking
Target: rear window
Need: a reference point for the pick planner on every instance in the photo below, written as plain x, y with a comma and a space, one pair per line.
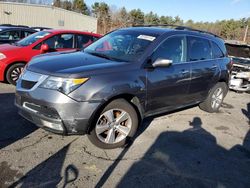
217, 53
199, 49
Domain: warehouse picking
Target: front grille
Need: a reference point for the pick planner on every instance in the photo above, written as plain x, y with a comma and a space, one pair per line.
27, 84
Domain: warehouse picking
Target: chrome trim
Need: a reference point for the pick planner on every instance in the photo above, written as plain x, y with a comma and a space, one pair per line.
28, 108
33, 77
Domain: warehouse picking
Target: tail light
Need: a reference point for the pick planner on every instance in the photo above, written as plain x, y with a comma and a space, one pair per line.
230, 66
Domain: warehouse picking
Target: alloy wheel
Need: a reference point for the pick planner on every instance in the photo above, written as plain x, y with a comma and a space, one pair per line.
113, 126
16, 73
217, 98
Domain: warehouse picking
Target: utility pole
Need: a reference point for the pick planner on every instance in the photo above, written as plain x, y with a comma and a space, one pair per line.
245, 36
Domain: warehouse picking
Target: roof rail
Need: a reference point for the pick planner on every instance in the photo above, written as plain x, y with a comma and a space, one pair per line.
10, 25
178, 27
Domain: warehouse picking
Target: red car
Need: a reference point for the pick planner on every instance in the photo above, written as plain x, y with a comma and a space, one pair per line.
13, 57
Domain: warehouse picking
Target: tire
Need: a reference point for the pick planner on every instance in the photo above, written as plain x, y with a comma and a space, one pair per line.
14, 72
106, 130
211, 104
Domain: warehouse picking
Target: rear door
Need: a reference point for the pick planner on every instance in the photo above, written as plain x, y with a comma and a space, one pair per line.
205, 69
167, 87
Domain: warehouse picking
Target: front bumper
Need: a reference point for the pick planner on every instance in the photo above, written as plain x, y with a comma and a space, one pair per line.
54, 111
2, 69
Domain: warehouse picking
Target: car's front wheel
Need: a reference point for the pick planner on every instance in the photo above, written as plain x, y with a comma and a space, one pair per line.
117, 123
14, 72
215, 98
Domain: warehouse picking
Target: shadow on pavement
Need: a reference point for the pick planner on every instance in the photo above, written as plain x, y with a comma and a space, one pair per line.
191, 158
12, 126
109, 171
48, 173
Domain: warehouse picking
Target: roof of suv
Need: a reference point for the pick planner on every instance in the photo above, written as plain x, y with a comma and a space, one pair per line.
162, 29
2, 28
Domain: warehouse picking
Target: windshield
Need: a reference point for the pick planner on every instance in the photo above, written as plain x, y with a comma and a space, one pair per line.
32, 38
121, 46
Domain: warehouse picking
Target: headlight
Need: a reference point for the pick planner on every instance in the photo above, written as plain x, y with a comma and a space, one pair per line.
2, 56
64, 85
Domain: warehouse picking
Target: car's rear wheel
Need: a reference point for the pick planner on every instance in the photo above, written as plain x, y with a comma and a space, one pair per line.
14, 72
215, 98
117, 123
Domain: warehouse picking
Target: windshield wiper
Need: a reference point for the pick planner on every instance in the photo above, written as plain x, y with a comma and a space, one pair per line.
101, 55
105, 56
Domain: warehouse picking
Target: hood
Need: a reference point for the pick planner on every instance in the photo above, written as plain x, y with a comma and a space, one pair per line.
5, 48
72, 64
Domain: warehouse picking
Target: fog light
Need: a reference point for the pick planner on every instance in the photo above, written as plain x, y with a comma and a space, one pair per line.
54, 126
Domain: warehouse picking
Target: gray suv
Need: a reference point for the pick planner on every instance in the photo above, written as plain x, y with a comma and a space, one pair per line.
107, 89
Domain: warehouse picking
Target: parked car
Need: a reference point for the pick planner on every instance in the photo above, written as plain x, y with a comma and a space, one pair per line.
107, 89
240, 77
13, 57
11, 33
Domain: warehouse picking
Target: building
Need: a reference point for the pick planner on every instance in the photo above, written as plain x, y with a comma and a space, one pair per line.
45, 16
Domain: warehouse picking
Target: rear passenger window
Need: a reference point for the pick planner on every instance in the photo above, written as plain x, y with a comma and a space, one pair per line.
199, 49
217, 53
84, 40
172, 49
10, 35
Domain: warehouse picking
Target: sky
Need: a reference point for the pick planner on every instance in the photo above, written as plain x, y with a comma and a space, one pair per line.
197, 10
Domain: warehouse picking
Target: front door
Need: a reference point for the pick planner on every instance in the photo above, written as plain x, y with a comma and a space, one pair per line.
167, 87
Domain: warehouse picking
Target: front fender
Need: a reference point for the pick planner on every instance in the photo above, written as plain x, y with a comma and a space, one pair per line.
106, 86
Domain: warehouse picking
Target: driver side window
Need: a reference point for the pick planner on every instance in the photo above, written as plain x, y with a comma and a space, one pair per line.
173, 49
60, 41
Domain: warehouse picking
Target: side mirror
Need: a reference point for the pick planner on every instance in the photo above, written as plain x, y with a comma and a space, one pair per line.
162, 62
44, 48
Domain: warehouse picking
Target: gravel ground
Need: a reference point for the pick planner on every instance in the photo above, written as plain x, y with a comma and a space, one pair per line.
188, 148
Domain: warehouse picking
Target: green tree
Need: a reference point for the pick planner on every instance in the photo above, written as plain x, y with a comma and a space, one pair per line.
137, 17
151, 18
57, 3
101, 11
67, 5
166, 20
80, 7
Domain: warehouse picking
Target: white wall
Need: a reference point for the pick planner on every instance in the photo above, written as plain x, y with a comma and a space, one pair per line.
46, 16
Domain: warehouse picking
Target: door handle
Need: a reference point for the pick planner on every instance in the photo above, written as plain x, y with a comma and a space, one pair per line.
184, 72
214, 67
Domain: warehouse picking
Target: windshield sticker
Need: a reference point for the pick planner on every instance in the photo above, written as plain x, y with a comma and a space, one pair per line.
146, 37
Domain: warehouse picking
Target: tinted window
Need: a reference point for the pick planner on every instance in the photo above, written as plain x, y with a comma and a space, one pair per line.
84, 40
199, 49
172, 49
26, 33
217, 53
10, 35
60, 41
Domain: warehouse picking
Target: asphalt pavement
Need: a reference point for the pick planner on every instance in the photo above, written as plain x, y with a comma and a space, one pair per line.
187, 148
